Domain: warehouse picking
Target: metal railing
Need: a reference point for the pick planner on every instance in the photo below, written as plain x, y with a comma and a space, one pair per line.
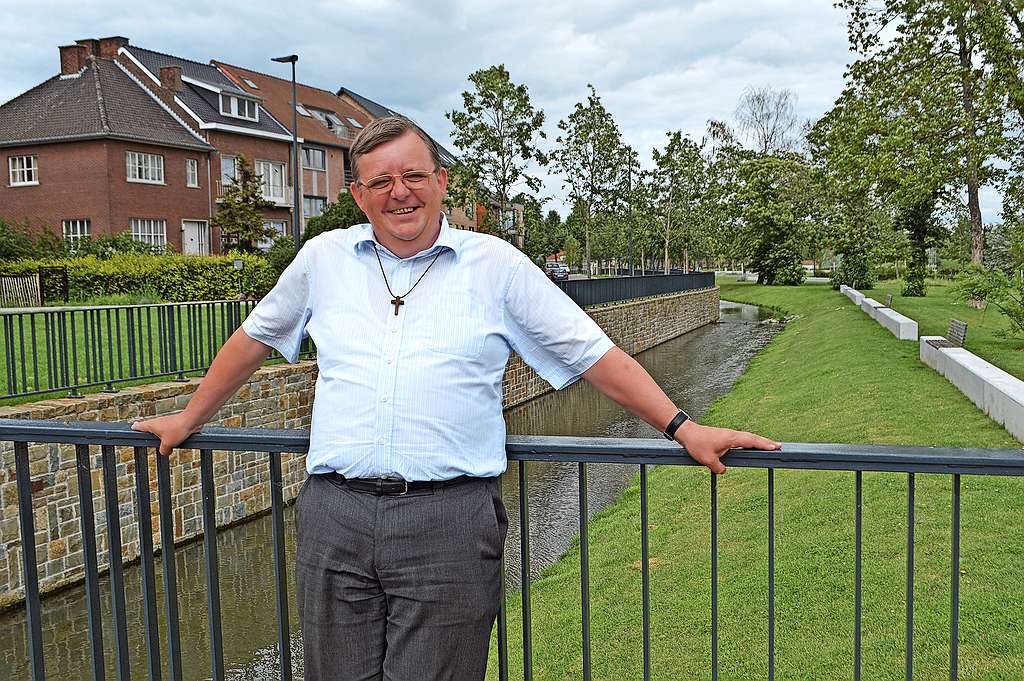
587, 292
521, 450
64, 348
47, 350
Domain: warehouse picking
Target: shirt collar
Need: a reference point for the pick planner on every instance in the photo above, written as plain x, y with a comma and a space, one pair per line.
447, 238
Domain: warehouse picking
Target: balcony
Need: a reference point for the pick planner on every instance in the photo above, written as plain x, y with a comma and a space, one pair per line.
280, 196
854, 460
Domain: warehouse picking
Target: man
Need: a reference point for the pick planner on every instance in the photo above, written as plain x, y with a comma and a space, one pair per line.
400, 526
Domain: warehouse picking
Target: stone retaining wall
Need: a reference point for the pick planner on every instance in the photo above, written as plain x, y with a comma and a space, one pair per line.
275, 397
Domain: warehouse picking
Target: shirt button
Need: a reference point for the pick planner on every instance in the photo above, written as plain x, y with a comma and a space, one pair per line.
380, 440
387, 361
384, 399
394, 330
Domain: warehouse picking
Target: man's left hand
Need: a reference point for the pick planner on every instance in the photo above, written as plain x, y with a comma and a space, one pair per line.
706, 444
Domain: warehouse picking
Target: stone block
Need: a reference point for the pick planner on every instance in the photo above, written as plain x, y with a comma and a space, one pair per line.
904, 328
966, 371
869, 305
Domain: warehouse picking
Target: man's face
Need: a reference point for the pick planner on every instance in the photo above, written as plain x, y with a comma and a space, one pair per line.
406, 221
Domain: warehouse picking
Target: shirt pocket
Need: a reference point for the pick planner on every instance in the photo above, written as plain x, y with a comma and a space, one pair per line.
457, 327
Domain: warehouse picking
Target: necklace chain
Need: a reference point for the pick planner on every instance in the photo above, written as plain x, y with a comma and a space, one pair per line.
397, 300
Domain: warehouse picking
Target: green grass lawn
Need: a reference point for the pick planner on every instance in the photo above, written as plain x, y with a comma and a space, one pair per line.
934, 311
833, 375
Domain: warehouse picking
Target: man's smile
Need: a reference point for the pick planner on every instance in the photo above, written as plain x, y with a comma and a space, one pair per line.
404, 210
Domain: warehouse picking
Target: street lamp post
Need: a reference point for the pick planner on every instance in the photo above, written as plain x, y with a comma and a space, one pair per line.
296, 206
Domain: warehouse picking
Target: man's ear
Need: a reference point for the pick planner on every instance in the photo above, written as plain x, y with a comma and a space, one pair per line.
442, 179
353, 189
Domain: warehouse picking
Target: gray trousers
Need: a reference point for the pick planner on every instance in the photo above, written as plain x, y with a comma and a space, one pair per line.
398, 588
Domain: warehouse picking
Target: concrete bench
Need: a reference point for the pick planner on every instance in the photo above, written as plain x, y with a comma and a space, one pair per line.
904, 328
870, 307
851, 293
994, 391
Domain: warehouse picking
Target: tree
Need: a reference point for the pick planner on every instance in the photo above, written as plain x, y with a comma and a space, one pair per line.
773, 196
768, 118
589, 156
497, 133
944, 70
680, 179
239, 215
340, 214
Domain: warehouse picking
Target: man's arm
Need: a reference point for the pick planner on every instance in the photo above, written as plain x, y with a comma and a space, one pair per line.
620, 377
236, 361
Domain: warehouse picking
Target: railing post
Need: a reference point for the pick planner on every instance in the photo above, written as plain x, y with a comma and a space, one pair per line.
30, 574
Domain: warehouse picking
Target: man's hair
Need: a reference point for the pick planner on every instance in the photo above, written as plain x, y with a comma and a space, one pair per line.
383, 130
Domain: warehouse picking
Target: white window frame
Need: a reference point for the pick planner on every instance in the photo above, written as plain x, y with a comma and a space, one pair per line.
75, 230
302, 110
26, 168
147, 168
271, 191
307, 152
354, 122
231, 159
251, 84
191, 172
307, 214
230, 105
280, 229
150, 231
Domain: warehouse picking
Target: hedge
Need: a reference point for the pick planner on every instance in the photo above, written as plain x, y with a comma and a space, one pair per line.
175, 278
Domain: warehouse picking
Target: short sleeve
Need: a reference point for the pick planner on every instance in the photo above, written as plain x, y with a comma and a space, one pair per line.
279, 319
548, 330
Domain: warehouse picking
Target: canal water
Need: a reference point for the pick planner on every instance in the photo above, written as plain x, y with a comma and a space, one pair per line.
694, 370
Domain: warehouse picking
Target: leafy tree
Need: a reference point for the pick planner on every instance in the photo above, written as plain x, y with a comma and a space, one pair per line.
281, 253
15, 243
239, 215
589, 157
497, 132
773, 196
340, 214
680, 179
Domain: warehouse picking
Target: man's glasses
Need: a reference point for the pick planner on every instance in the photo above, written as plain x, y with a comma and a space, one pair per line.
412, 179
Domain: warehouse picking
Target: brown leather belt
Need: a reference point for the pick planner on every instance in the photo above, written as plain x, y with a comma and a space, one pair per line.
395, 487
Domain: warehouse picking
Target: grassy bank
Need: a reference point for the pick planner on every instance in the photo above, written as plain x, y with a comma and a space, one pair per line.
833, 375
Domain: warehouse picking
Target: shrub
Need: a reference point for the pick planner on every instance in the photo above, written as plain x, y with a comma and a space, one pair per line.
281, 254
109, 245
854, 271
176, 278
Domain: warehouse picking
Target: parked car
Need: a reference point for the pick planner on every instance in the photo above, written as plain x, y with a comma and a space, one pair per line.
556, 271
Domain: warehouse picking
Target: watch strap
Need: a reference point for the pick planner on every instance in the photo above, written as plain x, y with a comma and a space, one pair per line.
673, 425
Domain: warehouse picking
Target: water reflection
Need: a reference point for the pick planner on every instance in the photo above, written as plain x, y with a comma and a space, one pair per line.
694, 369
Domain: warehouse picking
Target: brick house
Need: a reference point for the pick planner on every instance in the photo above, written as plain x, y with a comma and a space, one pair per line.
231, 119
94, 151
327, 127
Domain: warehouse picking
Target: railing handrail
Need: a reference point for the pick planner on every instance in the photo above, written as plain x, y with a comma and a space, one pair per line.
793, 455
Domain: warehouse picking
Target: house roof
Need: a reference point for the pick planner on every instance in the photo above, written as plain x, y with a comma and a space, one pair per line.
77, 107
379, 111
202, 101
277, 97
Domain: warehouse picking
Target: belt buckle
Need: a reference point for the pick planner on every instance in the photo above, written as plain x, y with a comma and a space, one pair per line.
405, 485
405, 488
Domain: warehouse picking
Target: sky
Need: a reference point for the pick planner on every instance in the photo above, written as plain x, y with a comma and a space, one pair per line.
657, 65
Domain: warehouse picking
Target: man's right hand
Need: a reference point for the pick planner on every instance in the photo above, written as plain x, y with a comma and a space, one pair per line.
172, 430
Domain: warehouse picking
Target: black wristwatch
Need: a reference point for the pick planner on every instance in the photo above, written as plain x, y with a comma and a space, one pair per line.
673, 425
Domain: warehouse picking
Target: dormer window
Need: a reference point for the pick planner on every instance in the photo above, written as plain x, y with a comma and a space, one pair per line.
329, 119
239, 107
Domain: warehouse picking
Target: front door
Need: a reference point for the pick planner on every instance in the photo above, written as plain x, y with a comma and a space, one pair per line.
195, 237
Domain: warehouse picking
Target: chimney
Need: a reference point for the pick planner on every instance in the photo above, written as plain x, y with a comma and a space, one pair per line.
170, 78
108, 47
91, 45
72, 59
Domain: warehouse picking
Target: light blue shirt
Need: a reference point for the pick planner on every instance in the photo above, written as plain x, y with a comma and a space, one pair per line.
418, 394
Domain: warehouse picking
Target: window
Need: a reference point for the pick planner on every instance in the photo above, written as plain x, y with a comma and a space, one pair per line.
228, 169
145, 167
192, 172
279, 227
302, 110
312, 206
238, 107
354, 122
272, 176
251, 84
314, 159
76, 230
24, 170
152, 232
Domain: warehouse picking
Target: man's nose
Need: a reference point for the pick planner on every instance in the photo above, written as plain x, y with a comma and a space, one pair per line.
399, 190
